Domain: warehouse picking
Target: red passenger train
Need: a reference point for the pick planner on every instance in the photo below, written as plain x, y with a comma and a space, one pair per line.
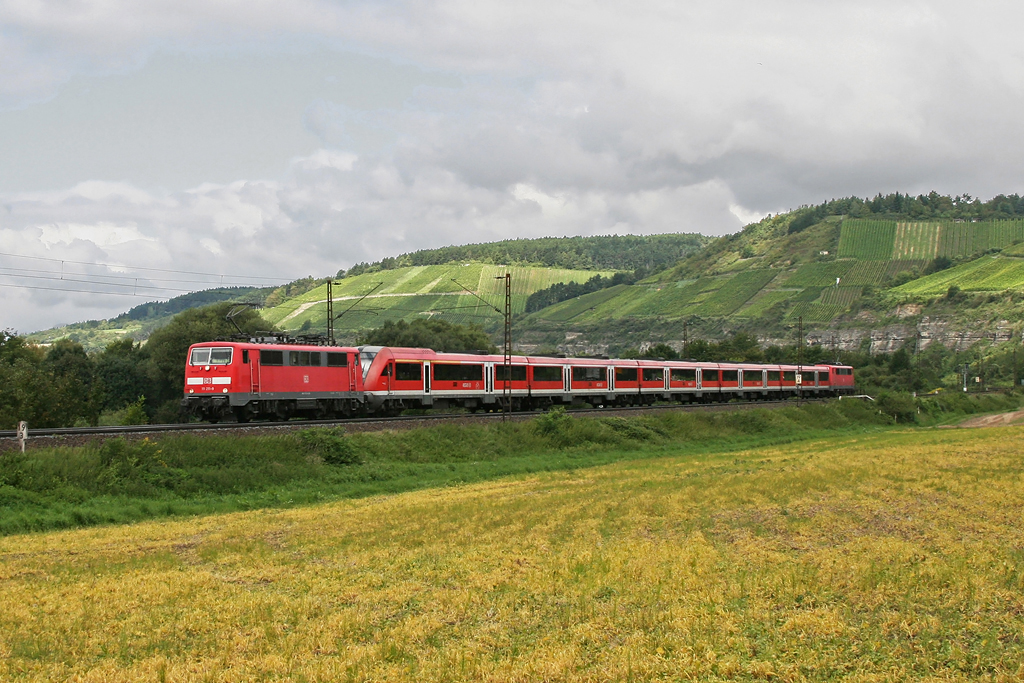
254, 380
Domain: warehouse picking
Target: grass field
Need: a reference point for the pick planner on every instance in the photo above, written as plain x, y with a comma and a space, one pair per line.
867, 557
867, 240
819, 274
986, 274
406, 293
916, 241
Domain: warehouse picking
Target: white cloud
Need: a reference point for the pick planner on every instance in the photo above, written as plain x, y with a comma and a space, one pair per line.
474, 121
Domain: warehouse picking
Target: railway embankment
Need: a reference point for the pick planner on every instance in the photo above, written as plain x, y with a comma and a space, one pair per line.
156, 475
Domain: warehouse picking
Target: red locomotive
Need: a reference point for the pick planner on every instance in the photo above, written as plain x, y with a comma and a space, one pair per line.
277, 381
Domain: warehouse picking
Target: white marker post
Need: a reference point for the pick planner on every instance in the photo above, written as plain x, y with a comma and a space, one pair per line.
22, 434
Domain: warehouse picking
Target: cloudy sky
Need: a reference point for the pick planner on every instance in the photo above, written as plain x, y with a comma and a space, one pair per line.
257, 141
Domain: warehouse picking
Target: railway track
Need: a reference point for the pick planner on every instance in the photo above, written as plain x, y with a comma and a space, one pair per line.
379, 423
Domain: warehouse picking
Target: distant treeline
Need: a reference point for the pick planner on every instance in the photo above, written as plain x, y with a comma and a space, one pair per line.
563, 291
647, 253
62, 385
904, 206
158, 309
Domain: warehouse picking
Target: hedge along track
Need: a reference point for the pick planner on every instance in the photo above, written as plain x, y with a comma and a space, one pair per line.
77, 436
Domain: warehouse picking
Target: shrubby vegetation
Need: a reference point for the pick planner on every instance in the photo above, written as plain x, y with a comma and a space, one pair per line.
63, 386
120, 480
563, 291
438, 335
647, 253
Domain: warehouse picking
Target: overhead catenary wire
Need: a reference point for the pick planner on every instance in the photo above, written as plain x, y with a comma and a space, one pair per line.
141, 268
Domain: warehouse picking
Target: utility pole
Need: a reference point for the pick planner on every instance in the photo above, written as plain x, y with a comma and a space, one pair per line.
686, 341
800, 358
330, 313
1016, 373
506, 392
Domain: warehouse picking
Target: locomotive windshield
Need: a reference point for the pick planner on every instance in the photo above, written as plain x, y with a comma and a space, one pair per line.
211, 356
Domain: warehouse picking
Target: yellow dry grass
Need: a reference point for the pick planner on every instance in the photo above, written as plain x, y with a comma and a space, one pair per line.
892, 556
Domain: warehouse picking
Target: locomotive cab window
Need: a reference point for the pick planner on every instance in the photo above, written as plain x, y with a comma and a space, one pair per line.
211, 356
654, 375
547, 373
408, 372
458, 373
843, 371
625, 374
730, 375
271, 357
684, 375
337, 360
587, 374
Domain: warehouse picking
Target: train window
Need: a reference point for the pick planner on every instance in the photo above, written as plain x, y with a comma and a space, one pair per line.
843, 371
316, 358
625, 374
751, 377
408, 372
220, 356
654, 375
789, 375
214, 356
270, 357
684, 375
709, 375
730, 375
823, 376
366, 360
587, 374
773, 375
337, 360
298, 358
518, 373
245, 356
458, 373
547, 373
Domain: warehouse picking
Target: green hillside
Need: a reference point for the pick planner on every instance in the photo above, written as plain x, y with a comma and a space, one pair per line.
985, 274
767, 276
406, 293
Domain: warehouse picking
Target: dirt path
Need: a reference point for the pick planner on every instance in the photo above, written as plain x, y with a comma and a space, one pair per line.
994, 420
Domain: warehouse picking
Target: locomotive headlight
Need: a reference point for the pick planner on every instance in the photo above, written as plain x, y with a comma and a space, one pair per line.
191, 391
225, 391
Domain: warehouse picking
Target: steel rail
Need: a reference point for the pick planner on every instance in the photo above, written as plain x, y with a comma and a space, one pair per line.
438, 417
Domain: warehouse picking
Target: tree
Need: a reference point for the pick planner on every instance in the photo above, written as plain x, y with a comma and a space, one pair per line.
438, 335
121, 374
167, 348
74, 374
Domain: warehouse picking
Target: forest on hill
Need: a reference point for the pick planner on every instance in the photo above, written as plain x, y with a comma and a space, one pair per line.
644, 253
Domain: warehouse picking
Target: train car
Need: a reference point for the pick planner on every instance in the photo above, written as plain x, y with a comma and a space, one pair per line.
277, 381
252, 380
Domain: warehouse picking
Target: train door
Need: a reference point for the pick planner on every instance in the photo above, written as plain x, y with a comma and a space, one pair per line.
566, 379
426, 377
611, 379
389, 373
489, 378
253, 357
